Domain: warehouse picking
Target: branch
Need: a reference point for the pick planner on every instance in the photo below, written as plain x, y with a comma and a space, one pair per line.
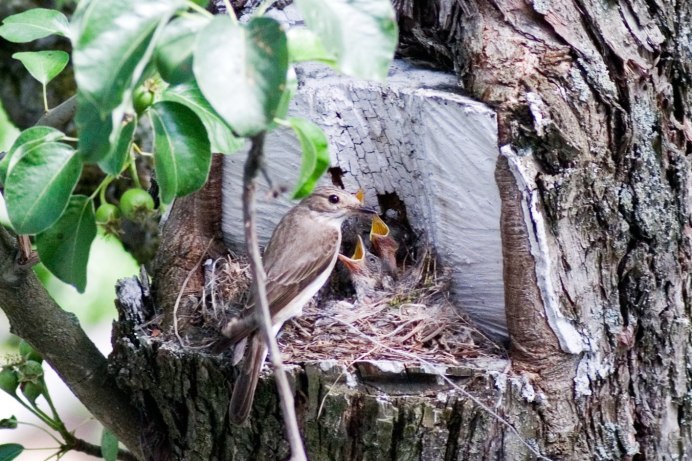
35, 317
252, 166
83, 446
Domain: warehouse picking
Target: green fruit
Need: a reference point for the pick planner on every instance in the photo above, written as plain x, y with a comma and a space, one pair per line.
107, 213
9, 380
142, 98
28, 352
136, 204
32, 390
30, 371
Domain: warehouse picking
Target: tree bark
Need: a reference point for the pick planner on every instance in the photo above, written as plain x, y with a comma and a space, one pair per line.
593, 113
34, 316
595, 98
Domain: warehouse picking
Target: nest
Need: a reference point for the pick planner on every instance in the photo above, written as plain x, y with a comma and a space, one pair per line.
411, 320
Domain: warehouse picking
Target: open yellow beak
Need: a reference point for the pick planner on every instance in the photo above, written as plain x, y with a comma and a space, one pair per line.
385, 246
378, 228
356, 261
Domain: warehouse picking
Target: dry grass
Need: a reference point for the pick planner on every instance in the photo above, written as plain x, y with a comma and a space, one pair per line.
413, 318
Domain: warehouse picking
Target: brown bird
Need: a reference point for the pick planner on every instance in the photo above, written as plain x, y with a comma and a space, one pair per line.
365, 270
384, 244
298, 260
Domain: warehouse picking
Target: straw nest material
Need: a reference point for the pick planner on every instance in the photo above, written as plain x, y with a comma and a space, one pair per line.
413, 319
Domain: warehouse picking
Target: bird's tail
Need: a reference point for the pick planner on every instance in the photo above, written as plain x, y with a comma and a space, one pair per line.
239, 328
245, 385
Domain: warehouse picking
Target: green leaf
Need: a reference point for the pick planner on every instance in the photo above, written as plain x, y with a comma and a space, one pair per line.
182, 153
287, 95
109, 445
173, 53
8, 423
64, 247
27, 139
33, 24
313, 143
220, 135
241, 71
119, 154
305, 45
362, 34
95, 130
44, 66
39, 185
30, 371
9, 451
112, 44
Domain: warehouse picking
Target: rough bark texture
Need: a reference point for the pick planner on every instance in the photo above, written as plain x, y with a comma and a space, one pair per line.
382, 410
593, 114
595, 96
593, 109
191, 233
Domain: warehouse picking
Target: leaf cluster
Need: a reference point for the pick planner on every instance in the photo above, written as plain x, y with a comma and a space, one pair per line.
22, 378
204, 83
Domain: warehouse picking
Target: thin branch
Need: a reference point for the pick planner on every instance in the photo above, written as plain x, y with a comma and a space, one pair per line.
78, 362
252, 166
95, 450
182, 290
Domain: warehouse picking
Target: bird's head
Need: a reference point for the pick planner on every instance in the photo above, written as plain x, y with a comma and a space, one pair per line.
384, 244
362, 262
336, 204
365, 270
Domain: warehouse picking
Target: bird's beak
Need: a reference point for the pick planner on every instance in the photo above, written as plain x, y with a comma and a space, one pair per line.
355, 262
378, 228
366, 210
359, 252
360, 195
384, 245
351, 264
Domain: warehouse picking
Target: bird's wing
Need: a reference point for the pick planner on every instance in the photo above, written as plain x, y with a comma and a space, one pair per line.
307, 254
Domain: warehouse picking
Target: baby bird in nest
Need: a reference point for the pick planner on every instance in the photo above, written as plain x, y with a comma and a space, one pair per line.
373, 275
366, 272
384, 245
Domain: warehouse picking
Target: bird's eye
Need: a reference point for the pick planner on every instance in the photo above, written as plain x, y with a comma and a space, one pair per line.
334, 199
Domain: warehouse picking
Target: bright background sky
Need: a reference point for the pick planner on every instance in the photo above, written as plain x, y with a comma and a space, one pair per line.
95, 309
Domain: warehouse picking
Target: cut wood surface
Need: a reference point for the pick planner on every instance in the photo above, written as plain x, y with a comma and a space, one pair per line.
416, 139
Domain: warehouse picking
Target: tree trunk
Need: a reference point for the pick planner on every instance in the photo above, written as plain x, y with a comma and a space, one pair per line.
592, 172
593, 126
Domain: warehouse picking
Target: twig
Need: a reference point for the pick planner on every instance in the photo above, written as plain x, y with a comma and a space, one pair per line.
252, 165
95, 450
182, 289
78, 362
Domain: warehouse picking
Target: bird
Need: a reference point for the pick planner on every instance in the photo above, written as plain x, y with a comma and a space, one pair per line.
365, 270
384, 245
298, 260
